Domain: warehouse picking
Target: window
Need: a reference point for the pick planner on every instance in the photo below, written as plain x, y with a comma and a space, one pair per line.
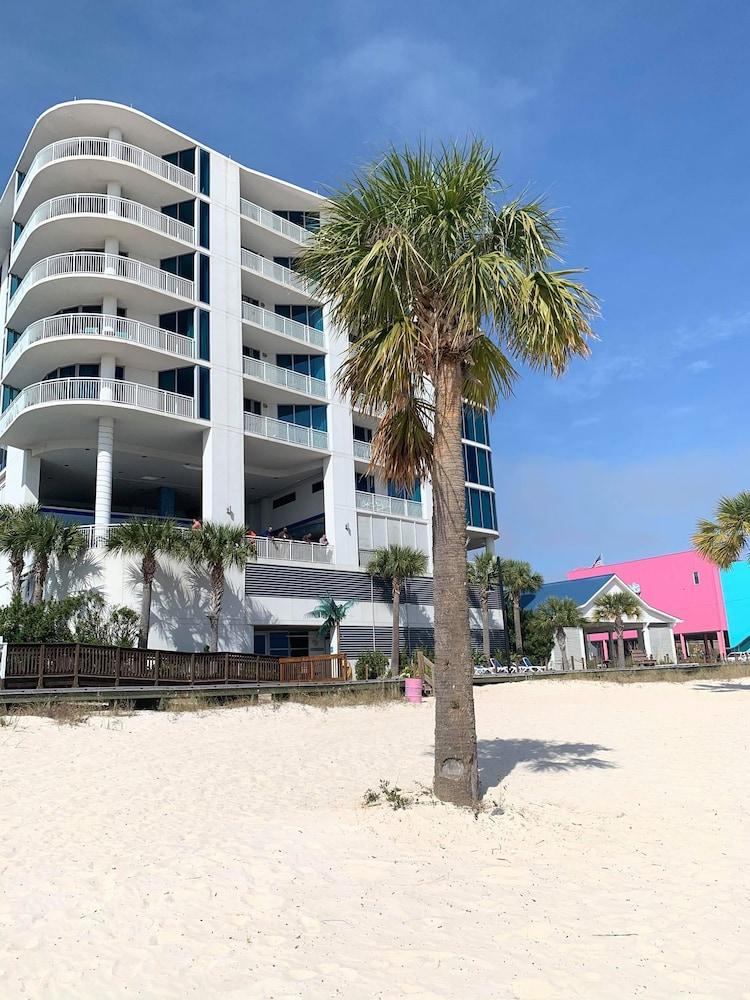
307, 315
204, 279
696, 578
184, 211
304, 416
475, 425
364, 484
203, 224
480, 509
288, 262
477, 465
181, 322
250, 352
9, 394
205, 173
204, 335
251, 406
183, 265
307, 220
362, 433
180, 380
204, 393
306, 364
17, 230
317, 487
399, 493
81, 371
283, 501
184, 158
11, 338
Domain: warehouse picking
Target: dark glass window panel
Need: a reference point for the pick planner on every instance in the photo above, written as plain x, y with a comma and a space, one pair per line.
88, 371
204, 393
302, 364
251, 406
488, 510
303, 415
170, 210
205, 173
299, 314
186, 159
319, 418
485, 471
283, 311
168, 321
284, 501
279, 643
298, 218
286, 412
186, 266
169, 264
204, 336
470, 462
167, 380
185, 381
185, 320
67, 371
119, 372
203, 225
476, 508
318, 367
284, 360
315, 317
204, 279
317, 487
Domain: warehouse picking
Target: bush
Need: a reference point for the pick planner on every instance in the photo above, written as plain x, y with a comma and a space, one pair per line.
83, 618
372, 665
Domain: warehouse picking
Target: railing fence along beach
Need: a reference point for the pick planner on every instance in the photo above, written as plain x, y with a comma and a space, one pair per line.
75, 665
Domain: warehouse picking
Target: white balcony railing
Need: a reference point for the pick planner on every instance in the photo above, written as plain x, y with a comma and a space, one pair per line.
104, 264
271, 321
109, 390
98, 325
276, 272
378, 503
273, 222
291, 550
363, 450
280, 430
110, 206
112, 149
284, 377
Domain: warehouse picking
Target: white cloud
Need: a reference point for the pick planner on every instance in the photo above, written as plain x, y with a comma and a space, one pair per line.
700, 365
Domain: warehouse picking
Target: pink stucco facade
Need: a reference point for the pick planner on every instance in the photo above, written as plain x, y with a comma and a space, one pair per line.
668, 583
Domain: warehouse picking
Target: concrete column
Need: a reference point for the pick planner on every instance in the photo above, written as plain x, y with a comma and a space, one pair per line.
646, 640
722, 645
340, 508
223, 476
109, 308
104, 453
22, 473
112, 249
683, 646
114, 190
107, 367
115, 134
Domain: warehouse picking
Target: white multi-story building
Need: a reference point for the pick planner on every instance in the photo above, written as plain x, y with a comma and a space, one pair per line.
162, 358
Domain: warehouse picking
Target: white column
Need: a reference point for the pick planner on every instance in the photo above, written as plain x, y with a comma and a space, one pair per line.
104, 452
107, 366
109, 308
115, 134
646, 639
223, 476
112, 249
22, 473
114, 190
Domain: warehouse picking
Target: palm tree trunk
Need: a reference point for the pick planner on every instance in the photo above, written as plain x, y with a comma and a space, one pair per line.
145, 625
16, 572
620, 651
562, 642
517, 624
395, 638
214, 613
456, 773
486, 627
40, 578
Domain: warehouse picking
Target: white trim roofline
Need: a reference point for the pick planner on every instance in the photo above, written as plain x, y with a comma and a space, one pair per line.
588, 605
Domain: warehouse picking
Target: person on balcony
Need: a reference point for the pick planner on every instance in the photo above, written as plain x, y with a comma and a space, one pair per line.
251, 534
196, 525
307, 538
269, 532
323, 539
284, 534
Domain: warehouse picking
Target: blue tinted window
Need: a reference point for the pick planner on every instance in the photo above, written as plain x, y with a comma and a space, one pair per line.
286, 412
204, 393
471, 471
488, 509
203, 236
476, 508
204, 279
284, 360
167, 380
317, 367
315, 317
204, 335
205, 173
485, 467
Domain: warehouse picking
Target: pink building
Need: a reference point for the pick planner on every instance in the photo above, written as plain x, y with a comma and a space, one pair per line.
684, 584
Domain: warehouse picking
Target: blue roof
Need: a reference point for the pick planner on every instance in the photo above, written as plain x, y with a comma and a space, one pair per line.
580, 591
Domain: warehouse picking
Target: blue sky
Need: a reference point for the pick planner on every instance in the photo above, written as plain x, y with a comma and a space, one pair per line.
628, 115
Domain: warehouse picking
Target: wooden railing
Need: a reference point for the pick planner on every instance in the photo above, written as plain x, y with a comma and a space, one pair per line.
77, 665
329, 667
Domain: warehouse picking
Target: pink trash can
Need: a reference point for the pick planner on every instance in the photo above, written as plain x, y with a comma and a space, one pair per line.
413, 689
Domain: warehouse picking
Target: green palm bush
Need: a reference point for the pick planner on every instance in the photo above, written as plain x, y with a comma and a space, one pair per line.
146, 540
518, 578
49, 536
616, 607
15, 539
440, 289
331, 614
483, 576
397, 564
557, 614
216, 548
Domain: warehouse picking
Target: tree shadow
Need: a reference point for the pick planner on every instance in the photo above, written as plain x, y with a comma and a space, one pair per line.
497, 758
723, 687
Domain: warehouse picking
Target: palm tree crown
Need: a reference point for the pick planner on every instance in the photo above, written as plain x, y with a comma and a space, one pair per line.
16, 524
723, 541
417, 260
518, 578
50, 536
396, 563
331, 614
615, 607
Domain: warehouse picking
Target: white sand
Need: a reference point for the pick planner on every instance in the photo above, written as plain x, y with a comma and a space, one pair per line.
227, 854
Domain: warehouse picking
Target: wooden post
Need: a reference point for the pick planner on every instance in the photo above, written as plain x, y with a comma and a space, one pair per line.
76, 663
40, 682
226, 668
157, 666
118, 665
192, 668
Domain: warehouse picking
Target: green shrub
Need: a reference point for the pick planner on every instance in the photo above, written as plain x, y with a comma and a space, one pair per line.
83, 618
371, 665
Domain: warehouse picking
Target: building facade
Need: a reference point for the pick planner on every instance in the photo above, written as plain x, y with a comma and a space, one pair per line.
162, 358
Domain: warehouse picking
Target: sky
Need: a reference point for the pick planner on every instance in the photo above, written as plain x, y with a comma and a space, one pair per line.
628, 116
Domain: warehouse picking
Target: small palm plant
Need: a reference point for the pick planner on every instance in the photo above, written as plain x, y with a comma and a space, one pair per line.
50, 536
518, 578
559, 613
616, 607
217, 548
483, 576
723, 541
146, 540
396, 563
331, 615
15, 540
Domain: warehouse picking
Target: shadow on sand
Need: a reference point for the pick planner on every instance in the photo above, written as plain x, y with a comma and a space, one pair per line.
497, 758
723, 687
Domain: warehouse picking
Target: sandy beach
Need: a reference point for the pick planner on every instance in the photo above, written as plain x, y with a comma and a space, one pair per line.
227, 853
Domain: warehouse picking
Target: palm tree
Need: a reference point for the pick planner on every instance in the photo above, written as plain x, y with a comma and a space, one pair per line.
518, 578
396, 563
559, 613
332, 615
217, 548
722, 541
416, 259
147, 540
49, 536
615, 607
15, 539
483, 575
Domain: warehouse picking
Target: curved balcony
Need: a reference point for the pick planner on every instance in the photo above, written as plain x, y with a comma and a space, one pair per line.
101, 393
284, 378
277, 274
280, 430
109, 149
273, 223
291, 550
377, 503
83, 275
88, 213
271, 322
60, 335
